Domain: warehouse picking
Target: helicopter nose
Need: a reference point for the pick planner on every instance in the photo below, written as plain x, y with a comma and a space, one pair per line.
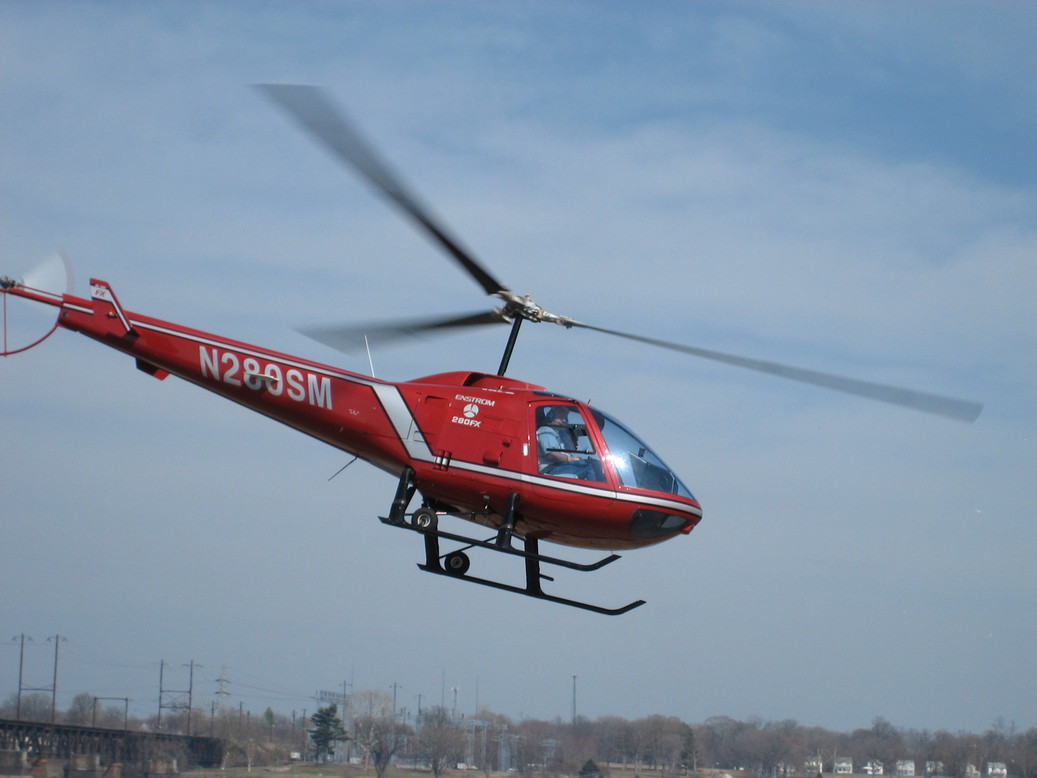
646, 524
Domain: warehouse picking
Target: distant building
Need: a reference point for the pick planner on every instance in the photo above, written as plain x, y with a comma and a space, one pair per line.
843, 766
997, 770
814, 766
906, 767
971, 771
934, 768
872, 767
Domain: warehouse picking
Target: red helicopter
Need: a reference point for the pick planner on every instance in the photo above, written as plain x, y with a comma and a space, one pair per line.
526, 462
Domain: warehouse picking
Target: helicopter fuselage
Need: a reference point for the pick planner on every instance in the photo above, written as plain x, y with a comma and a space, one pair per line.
470, 440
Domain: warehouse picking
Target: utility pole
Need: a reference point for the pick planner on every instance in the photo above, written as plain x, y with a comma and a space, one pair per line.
176, 703
190, 694
574, 699
161, 673
54, 678
53, 688
21, 665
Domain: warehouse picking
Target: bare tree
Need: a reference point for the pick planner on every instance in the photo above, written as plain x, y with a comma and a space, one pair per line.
533, 750
720, 735
377, 730
81, 711
957, 752
441, 739
614, 739
1023, 753
31, 707
763, 747
577, 745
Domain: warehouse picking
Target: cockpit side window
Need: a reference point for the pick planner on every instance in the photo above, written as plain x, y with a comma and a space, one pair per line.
564, 448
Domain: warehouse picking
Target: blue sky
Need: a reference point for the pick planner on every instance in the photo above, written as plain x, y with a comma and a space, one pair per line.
848, 187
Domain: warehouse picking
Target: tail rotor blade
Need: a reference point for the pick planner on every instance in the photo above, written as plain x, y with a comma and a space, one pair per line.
51, 274
24, 323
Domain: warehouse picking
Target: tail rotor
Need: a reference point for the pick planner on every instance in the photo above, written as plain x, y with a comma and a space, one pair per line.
25, 324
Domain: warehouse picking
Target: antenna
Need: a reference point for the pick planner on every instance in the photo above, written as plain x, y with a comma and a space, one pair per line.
370, 361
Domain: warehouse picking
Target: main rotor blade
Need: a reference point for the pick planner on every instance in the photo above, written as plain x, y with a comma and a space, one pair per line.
352, 338
961, 410
310, 107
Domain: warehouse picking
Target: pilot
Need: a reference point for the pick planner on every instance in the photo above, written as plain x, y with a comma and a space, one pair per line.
555, 442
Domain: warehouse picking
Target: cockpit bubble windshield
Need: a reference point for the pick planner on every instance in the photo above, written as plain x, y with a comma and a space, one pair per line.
635, 463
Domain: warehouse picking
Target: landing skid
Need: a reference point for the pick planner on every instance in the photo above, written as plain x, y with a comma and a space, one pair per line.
455, 563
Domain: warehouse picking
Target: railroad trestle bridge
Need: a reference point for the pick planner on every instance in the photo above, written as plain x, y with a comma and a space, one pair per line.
63, 741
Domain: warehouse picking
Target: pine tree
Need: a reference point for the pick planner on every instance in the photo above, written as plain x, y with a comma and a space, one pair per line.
327, 730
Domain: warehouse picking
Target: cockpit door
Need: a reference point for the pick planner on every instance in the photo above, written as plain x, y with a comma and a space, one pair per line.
565, 446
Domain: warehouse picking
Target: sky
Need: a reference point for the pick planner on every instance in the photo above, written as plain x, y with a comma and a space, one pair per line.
848, 187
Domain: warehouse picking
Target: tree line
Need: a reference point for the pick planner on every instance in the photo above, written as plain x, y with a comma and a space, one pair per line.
372, 730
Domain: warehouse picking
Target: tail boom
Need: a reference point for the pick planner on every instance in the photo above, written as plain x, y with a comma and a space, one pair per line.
344, 409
